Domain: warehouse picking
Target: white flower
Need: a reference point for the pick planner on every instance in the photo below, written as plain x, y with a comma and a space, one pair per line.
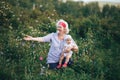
1, 53
41, 6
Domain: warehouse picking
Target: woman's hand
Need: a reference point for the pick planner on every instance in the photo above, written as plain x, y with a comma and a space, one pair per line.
28, 38
75, 49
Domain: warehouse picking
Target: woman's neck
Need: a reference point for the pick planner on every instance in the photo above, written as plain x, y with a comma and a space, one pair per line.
61, 36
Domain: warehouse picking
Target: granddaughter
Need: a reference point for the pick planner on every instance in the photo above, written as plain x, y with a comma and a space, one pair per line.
67, 55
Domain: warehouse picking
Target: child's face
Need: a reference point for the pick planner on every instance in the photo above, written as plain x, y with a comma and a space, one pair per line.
68, 40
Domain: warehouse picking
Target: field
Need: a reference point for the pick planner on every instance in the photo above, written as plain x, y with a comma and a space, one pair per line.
96, 31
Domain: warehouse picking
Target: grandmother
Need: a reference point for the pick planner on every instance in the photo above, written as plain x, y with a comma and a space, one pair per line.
56, 40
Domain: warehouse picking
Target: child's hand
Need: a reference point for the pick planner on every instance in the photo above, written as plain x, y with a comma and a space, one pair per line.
28, 38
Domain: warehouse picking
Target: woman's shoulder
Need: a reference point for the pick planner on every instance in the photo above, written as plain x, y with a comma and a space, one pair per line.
52, 33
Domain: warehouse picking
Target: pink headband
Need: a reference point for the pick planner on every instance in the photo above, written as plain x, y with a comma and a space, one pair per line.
62, 24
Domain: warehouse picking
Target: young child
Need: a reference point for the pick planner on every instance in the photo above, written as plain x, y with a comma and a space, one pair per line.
67, 56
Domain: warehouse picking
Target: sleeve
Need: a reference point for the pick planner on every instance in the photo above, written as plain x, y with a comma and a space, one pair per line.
47, 38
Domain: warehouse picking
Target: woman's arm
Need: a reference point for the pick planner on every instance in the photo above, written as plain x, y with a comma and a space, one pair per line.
75, 49
30, 38
46, 38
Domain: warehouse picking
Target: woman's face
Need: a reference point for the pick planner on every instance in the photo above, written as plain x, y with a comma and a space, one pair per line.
60, 29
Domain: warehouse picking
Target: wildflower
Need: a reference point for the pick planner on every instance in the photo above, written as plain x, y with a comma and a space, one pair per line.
42, 71
40, 58
36, 21
41, 6
1, 53
23, 43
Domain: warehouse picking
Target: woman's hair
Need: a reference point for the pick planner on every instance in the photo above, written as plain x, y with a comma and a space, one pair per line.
63, 24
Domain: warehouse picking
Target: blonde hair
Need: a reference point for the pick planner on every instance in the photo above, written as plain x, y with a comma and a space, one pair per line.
65, 23
68, 37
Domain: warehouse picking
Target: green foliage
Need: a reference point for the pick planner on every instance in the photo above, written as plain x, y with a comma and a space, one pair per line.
5, 14
97, 34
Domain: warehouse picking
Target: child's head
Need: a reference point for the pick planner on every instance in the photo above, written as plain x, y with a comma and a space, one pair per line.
68, 39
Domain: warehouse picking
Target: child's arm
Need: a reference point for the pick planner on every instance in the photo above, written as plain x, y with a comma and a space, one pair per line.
68, 49
64, 49
72, 47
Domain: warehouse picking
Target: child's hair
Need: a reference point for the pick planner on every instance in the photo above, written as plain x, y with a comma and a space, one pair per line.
68, 36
